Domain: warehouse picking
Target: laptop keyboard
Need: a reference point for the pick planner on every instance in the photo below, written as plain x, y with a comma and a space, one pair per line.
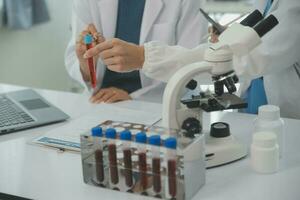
11, 114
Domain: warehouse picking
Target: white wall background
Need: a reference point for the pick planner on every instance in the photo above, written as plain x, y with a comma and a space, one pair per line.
35, 57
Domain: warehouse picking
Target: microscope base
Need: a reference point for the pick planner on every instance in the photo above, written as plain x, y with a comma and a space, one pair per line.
221, 151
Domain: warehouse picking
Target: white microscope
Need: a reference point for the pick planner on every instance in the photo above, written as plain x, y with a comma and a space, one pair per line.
239, 39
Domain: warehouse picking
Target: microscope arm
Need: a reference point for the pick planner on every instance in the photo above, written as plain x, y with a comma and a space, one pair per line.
171, 103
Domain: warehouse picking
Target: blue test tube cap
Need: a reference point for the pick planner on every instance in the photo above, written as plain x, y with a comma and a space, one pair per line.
97, 131
171, 143
111, 133
141, 137
154, 140
125, 135
88, 39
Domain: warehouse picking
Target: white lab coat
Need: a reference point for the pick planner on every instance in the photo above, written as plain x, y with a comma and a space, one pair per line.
277, 59
168, 21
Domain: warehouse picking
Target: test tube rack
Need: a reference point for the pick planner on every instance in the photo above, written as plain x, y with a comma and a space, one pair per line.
189, 171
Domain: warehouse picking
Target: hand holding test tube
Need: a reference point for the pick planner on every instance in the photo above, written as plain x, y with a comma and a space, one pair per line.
81, 48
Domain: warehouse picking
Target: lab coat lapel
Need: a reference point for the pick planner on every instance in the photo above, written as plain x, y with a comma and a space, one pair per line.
109, 14
151, 12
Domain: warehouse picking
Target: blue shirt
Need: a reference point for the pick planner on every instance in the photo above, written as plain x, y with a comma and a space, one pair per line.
129, 22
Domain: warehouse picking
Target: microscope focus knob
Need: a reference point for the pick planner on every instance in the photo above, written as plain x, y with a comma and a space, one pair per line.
192, 84
192, 126
219, 130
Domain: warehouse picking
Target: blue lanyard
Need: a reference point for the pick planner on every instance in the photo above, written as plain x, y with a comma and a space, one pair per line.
267, 8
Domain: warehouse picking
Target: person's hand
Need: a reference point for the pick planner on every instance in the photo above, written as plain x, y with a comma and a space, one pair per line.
81, 49
118, 55
110, 95
214, 37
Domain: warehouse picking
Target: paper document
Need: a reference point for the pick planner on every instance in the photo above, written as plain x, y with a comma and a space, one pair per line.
67, 137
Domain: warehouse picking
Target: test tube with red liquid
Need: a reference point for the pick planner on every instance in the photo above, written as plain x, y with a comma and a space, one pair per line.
155, 142
88, 40
141, 140
97, 134
125, 136
111, 134
171, 145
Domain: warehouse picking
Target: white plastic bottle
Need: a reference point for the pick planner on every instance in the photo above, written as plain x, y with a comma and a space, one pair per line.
269, 120
264, 153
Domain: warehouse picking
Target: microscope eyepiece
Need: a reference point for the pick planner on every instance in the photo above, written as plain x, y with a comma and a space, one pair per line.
252, 19
266, 25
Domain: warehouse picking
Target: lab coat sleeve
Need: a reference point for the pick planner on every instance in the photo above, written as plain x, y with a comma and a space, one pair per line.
79, 22
191, 26
162, 61
190, 29
279, 48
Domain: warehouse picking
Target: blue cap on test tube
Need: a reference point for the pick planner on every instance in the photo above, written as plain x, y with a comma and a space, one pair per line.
154, 140
125, 135
88, 39
97, 131
141, 137
111, 133
171, 143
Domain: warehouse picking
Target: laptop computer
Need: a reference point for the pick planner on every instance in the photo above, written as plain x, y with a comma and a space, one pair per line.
26, 109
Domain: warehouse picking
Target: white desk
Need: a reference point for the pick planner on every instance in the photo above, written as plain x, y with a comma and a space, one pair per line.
45, 174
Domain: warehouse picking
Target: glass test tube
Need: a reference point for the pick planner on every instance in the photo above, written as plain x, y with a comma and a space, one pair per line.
126, 137
171, 144
88, 40
155, 142
141, 139
112, 155
97, 133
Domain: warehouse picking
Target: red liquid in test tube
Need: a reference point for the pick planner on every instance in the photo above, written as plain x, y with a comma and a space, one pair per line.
171, 145
156, 175
128, 167
99, 165
88, 40
172, 178
143, 170
112, 156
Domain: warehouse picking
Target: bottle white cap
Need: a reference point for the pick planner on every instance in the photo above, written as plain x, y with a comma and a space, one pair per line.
265, 152
268, 112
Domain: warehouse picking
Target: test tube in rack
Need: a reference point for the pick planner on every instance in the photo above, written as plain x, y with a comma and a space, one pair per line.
111, 134
98, 146
125, 136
